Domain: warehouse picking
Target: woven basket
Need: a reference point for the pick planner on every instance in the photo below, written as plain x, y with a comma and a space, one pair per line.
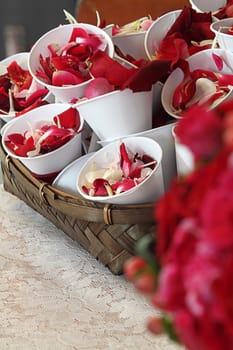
108, 232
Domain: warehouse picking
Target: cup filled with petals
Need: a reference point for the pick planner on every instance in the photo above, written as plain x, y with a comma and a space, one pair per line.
59, 59
179, 34
126, 171
45, 139
129, 38
20, 92
205, 78
162, 135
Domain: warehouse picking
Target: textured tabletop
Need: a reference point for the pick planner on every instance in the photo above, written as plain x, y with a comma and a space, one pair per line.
55, 296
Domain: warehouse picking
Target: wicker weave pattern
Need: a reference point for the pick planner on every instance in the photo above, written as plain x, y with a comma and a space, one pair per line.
107, 233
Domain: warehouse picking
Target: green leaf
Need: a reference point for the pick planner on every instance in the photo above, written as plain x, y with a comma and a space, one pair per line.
145, 248
168, 328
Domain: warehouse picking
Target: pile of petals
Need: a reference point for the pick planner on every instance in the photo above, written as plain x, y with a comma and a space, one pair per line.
188, 274
46, 137
109, 75
189, 34
138, 26
225, 11
201, 87
19, 92
68, 64
120, 176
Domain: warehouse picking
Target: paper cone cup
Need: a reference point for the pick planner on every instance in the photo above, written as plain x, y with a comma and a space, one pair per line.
22, 59
131, 44
118, 113
108, 29
150, 190
162, 135
201, 60
60, 36
51, 162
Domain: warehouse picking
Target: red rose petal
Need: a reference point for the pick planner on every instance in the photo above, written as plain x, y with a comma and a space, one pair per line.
98, 86
105, 67
65, 78
69, 119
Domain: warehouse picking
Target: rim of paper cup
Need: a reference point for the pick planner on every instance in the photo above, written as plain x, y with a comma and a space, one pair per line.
53, 88
198, 9
105, 149
100, 97
7, 117
15, 57
108, 94
218, 23
129, 34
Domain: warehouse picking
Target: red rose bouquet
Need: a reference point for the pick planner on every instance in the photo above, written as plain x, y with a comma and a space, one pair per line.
187, 271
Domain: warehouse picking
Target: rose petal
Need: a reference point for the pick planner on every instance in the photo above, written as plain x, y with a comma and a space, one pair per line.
124, 185
218, 61
69, 119
104, 66
64, 78
97, 87
19, 76
125, 161
144, 78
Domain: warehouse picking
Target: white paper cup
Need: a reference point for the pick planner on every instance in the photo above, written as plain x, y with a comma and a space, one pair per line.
200, 60
157, 32
118, 113
184, 157
22, 59
162, 135
108, 29
131, 44
224, 40
60, 36
207, 5
51, 162
150, 190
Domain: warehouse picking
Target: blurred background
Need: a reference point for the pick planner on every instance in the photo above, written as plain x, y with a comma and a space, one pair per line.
124, 11
22, 22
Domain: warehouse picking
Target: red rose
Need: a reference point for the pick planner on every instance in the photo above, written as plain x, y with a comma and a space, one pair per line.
200, 130
217, 211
